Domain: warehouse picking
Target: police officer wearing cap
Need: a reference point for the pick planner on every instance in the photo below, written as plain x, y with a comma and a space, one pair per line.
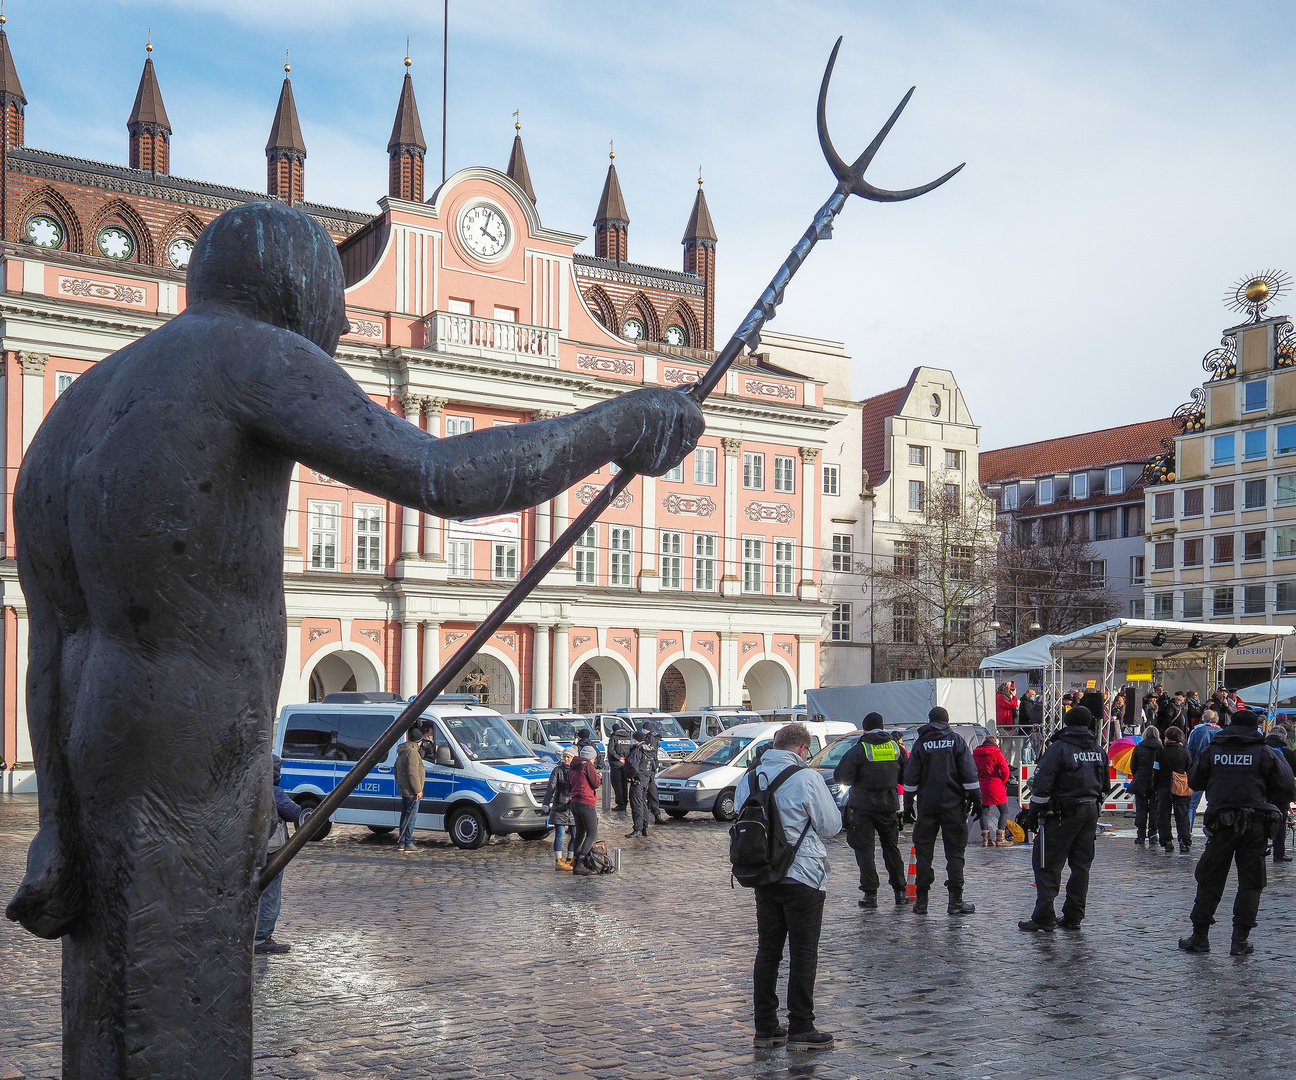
639, 763
653, 742
941, 778
1069, 784
1245, 784
873, 769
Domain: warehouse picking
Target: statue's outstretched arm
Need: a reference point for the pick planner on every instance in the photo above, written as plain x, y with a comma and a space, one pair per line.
308, 408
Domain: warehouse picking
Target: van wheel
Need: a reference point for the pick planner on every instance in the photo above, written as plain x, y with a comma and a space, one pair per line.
382, 830
308, 804
534, 834
677, 814
724, 806
468, 829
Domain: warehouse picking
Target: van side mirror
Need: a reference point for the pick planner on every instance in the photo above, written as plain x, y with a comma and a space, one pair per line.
443, 756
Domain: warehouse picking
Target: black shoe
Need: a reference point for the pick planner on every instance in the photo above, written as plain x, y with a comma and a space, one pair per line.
1030, 926
1241, 947
901, 897
581, 870
869, 901
1197, 942
632, 834
777, 1037
810, 1040
1068, 924
1140, 843
1183, 849
619, 809
272, 947
1282, 858
920, 905
1167, 847
661, 819
958, 906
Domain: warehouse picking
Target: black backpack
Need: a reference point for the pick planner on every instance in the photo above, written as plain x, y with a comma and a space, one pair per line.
759, 851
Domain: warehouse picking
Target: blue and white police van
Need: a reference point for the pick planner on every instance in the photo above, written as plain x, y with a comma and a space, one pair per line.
673, 743
550, 731
482, 779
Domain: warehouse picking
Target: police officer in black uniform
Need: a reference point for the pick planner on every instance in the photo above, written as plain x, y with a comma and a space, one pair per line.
942, 778
652, 739
1245, 784
874, 769
639, 763
619, 745
1070, 781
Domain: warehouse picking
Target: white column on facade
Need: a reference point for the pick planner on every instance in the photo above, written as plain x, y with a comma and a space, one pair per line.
561, 519
433, 408
33, 394
807, 667
649, 544
409, 682
730, 583
413, 404
544, 532
646, 675
561, 694
294, 560
808, 589
431, 650
290, 687
730, 689
540, 666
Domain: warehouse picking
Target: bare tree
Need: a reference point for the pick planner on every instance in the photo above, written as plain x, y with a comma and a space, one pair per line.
1048, 573
939, 588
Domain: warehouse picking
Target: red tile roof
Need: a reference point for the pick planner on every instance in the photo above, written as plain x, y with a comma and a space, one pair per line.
875, 410
1089, 450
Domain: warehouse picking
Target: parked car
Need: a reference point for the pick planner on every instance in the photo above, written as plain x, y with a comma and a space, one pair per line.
707, 779
482, 779
711, 721
830, 757
550, 731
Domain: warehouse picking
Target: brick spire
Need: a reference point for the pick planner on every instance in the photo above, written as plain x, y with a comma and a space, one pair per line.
285, 150
612, 220
517, 167
406, 147
700, 258
149, 127
12, 98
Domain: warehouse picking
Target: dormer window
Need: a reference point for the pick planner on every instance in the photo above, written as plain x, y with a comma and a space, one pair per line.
1044, 490
1080, 486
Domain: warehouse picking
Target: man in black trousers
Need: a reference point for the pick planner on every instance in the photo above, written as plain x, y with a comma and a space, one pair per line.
941, 789
1070, 782
1245, 784
874, 768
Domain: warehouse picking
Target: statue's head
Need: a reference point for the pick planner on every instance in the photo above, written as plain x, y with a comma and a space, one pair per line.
275, 264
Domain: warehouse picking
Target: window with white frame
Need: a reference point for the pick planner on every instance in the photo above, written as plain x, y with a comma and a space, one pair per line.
460, 307
62, 380
1192, 604
917, 494
704, 560
753, 551
1044, 490
953, 459
586, 557
1080, 486
917, 455
842, 544
459, 558
1253, 494
783, 475
784, 551
704, 465
832, 480
1163, 606
505, 562
368, 539
1163, 556
675, 475
1136, 569
672, 559
1163, 506
458, 425
1255, 396
754, 471
904, 622
1253, 600
1223, 498
1008, 501
1285, 489
620, 555
1222, 601
1285, 595
1115, 480
323, 518
841, 623
1285, 542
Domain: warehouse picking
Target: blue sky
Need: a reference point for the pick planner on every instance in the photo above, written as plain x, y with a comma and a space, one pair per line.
1127, 162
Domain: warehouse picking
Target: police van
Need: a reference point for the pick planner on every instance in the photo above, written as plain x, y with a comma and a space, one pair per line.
550, 731
709, 722
482, 779
673, 743
706, 781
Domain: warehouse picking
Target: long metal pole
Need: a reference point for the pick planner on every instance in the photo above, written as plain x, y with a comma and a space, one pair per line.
748, 333
445, 81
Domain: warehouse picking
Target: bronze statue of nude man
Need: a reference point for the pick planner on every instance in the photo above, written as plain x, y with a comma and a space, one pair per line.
149, 513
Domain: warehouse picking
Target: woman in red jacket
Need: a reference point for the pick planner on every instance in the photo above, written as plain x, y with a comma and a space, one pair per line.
1006, 705
992, 771
584, 780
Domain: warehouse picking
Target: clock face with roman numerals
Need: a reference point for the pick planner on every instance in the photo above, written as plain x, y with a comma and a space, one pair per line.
484, 231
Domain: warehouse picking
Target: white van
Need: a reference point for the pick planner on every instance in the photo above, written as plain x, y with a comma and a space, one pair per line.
672, 742
482, 779
706, 781
550, 731
711, 721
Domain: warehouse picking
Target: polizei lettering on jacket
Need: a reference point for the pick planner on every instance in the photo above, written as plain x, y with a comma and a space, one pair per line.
1090, 756
940, 744
1233, 759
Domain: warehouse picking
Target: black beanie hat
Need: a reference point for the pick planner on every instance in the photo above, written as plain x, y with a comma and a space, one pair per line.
1078, 716
938, 716
873, 721
1246, 718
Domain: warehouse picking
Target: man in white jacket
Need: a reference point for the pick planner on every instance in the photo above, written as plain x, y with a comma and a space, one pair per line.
791, 910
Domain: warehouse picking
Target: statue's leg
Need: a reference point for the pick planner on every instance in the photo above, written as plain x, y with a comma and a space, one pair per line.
157, 979
50, 898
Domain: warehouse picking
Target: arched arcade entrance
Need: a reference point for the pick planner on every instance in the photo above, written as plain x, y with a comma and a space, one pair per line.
768, 686
600, 684
490, 680
343, 670
685, 684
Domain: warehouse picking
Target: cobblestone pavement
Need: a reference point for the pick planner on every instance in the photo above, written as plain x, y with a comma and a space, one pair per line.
488, 963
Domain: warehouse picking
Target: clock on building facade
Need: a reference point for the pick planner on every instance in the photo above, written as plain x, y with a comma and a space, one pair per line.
484, 231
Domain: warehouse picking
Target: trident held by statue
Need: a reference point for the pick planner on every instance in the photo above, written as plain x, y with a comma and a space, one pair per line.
850, 181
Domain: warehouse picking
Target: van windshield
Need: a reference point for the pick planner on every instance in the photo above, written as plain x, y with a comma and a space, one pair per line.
668, 726
564, 731
486, 737
720, 750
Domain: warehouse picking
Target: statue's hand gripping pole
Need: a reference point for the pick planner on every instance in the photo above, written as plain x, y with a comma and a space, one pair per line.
850, 182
